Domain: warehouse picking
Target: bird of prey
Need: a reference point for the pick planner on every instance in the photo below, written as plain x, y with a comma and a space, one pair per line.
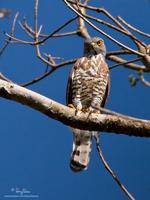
87, 91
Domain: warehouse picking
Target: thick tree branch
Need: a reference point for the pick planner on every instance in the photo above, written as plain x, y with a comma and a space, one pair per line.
104, 122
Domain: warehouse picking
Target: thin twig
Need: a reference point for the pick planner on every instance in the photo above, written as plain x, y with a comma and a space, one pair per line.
100, 10
127, 33
31, 32
118, 52
11, 33
2, 77
37, 79
25, 30
102, 32
133, 28
16, 40
71, 33
124, 63
54, 67
107, 167
57, 30
132, 66
105, 110
145, 82
82, 29
36, 20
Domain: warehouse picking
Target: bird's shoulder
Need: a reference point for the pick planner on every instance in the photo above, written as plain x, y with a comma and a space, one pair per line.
81, 63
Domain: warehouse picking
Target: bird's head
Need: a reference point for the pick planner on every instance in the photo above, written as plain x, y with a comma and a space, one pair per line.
94, 46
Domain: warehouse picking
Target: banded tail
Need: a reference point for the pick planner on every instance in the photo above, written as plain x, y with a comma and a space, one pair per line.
82, 145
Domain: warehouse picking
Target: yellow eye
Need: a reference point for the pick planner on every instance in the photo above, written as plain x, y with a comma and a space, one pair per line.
100, 42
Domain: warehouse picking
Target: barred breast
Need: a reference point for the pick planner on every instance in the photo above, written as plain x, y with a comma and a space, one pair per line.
89, 82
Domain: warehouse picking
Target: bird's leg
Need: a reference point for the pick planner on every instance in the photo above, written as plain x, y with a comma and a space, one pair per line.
77, 109
92, 110
95, 105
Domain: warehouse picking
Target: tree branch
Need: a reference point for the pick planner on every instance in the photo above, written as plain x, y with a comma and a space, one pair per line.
110, 171
132, 66
100, 31
103, 122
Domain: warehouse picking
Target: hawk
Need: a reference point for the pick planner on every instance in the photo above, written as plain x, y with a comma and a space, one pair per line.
87, 91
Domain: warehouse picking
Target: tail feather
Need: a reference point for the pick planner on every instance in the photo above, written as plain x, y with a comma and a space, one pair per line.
81, 150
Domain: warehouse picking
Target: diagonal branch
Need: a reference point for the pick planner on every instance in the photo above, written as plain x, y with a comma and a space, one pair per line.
11, 33
103, 122
125, 63
133, 28
144, 81
132, 66
110, 171
102, 32
82, 29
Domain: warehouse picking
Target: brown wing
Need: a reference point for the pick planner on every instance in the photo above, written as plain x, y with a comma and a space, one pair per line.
69, 89
106, 93
80, 63
104, 69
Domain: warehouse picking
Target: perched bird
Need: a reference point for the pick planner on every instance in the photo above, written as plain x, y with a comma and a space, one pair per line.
87, 91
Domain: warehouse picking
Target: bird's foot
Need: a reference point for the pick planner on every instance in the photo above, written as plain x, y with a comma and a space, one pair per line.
78, 112
77, 109
93, 111
85, 110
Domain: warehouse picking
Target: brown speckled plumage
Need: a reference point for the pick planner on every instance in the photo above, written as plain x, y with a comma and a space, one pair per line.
87, 90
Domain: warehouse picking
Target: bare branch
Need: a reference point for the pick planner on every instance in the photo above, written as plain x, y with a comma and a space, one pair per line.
107, 167
102, 10
118, 52
128, 65
57, 30
102, 32
82, 29
145, 82
55, 66
27, 31
2, 77
66, 115
36, 20
125, 32
17, 40
71, 33
11, 33
124, 63
37, 79
133, 28
31, 32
